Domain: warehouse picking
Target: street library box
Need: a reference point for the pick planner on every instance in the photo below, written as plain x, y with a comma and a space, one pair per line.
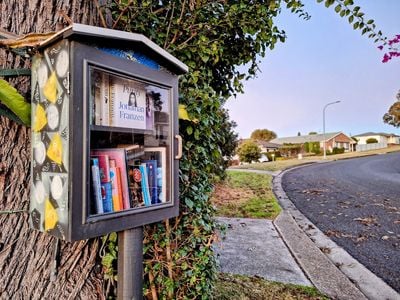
105, 143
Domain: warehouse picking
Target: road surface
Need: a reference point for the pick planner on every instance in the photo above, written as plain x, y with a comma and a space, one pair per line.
356, 203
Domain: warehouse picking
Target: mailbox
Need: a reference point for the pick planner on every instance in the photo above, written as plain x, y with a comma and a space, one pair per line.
105, 143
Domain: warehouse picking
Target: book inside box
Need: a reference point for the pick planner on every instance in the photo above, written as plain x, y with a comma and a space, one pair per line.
129, 143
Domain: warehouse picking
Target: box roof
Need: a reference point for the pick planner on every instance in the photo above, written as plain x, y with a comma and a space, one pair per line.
87, 32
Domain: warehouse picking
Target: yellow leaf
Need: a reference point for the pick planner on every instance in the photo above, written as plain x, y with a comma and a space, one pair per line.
55, 149
183, 114
50, 216
40, 119
50, 88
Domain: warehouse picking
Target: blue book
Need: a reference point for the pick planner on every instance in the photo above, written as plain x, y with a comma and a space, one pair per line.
96, 186
106, 195
145, 184
151, 166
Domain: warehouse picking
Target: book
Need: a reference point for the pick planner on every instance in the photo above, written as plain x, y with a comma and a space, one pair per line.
150, 110
151, 166
159, 154
132, 152
145, 184
96, 97
106, 195
127, 103
104, 166
105, 99
115, 178
135, 186
96, 186
119, 155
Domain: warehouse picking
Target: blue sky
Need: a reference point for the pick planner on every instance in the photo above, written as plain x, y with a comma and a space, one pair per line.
323, 60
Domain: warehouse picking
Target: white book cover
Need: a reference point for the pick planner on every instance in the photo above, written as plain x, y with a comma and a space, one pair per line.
128, 103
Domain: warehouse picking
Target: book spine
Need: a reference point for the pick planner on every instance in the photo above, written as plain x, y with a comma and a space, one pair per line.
120, 194
97, 97
104, 167
115, 188
112, 102
145, 185
97, 186
160, 185
106, 194
152, 179
105, 97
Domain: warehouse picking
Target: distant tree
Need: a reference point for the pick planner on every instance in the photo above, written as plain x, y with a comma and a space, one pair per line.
371, 141
299, 133
263, 135
392, 117
312, 133
249, 151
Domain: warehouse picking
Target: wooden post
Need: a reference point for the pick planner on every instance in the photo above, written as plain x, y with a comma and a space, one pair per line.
130, 264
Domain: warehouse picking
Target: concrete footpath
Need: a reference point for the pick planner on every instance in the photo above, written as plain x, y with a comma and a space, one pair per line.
288, 250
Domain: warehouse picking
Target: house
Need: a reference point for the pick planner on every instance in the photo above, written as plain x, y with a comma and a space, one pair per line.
382, 138
333, 140
267, 146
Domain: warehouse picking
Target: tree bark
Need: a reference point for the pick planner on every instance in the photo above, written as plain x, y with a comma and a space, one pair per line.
26, 256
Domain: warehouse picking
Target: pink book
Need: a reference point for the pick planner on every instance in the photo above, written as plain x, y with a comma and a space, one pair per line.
119, 155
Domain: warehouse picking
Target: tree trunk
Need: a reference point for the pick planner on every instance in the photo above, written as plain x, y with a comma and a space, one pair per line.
26, 256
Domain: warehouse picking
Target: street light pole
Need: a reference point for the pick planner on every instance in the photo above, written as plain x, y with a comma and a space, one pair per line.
323, 120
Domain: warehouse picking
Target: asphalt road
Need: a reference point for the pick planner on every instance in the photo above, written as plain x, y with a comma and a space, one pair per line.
356, 203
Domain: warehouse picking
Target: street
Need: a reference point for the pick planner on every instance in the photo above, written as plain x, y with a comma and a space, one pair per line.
356, 203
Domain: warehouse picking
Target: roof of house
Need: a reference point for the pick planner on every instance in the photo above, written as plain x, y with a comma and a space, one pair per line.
305, 138
268, 144
375, 134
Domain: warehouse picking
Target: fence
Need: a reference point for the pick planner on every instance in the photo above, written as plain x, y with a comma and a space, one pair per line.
367, 147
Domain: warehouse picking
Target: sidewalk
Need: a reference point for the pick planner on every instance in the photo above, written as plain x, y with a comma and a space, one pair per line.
280, 250
254, 247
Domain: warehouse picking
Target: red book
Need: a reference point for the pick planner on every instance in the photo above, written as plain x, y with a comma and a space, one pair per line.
119, 155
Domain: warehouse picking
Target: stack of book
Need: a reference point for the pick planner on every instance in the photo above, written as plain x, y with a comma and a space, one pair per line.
127, 177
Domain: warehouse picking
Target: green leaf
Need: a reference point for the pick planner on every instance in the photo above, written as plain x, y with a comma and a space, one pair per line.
355, 25
351, 19
328, 3
338, 8
10, 97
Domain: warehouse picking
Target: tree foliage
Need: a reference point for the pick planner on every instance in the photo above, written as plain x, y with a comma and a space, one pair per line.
249, 151
392, 117
263, 135
213, 38
371, 141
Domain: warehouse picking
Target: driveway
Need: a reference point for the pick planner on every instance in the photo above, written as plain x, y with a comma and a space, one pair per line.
356, 203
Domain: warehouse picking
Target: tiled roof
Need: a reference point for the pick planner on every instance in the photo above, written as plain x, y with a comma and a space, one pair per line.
305, 138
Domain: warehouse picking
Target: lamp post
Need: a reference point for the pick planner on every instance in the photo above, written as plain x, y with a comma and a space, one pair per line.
323, 120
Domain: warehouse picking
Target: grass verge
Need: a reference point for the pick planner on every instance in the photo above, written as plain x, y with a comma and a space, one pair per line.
235, 287
245, 195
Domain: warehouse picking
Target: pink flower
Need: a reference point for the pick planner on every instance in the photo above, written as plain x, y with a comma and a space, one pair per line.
386, 58
380, 47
